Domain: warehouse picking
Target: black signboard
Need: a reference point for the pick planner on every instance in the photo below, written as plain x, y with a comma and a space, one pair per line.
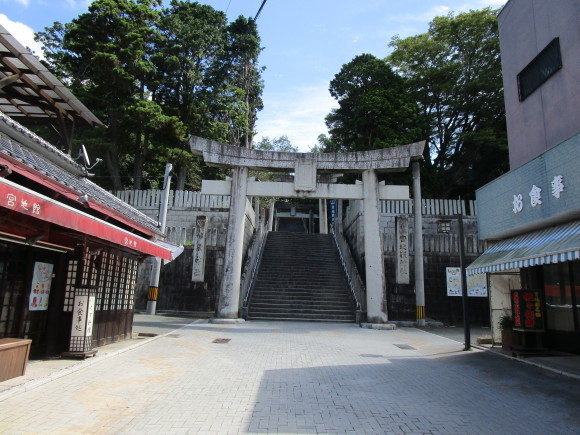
527, 310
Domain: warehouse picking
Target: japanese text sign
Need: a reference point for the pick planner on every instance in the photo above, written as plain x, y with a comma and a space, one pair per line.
527, 310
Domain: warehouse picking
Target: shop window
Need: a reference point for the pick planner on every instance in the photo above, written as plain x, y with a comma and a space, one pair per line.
109, 274
101, 282
69, 290
122, 284
544, 65
558, 296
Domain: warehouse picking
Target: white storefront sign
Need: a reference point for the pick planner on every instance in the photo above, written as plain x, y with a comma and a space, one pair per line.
557, 188
476, 284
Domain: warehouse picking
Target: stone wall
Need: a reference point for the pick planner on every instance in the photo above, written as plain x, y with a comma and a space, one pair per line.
440, 250
177, 291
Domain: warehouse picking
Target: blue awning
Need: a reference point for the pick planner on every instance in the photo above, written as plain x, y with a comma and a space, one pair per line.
550, 245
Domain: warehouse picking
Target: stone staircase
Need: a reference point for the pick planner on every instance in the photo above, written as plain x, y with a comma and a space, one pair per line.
301, 278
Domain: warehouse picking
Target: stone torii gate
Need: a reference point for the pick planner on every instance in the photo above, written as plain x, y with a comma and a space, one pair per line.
305, 167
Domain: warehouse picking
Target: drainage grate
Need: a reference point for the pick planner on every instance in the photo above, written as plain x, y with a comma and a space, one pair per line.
221, 340
405, 346
173, 335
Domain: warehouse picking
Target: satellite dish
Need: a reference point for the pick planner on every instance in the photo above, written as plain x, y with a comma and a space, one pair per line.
85, 156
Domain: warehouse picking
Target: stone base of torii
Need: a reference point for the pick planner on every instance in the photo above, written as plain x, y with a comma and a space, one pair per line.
306, 167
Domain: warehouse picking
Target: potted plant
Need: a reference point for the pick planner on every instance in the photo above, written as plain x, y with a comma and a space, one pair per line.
506, 325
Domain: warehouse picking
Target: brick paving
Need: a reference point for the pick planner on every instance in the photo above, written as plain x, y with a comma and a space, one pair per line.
299, 378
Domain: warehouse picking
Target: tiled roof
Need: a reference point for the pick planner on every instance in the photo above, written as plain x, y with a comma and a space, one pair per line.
23, 145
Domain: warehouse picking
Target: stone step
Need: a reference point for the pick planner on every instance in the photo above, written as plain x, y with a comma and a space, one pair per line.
294, 282
301, 307
303, 299
298, 291
301, 278
303, 317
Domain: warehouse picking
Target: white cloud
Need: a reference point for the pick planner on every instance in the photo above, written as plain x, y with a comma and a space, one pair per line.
427, 16
78, 4
480, 4
439, 10
22, 2
23, 33
298, 113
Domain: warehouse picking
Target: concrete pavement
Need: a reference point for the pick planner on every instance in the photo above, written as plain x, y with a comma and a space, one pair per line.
298, 378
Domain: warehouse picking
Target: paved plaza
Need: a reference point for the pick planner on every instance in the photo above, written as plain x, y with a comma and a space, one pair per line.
297, 378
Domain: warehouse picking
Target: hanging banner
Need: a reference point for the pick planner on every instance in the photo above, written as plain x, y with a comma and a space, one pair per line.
332, 210
40, 291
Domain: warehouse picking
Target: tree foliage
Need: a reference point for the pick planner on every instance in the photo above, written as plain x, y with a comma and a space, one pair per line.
453, 72
374, 109
156, 75
282, 144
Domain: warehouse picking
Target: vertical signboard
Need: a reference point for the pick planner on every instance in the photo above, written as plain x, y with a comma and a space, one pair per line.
82, 321
453, 275
198, 270
332, 211
40, 291
402, 234
527, 310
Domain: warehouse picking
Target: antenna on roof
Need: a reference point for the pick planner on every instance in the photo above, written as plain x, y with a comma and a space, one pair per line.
85, 156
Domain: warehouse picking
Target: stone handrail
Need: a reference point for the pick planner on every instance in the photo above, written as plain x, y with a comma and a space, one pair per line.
251, 267
357, 287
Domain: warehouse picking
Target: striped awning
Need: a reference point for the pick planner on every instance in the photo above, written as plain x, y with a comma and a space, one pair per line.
550, 245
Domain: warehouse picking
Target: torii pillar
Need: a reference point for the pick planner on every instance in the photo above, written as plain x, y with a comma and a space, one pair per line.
374, 263
306, 185
229, 298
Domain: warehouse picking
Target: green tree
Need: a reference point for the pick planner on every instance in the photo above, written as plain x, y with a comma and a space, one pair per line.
155, 76
192, 44
243, 78
281, 143
374, 109
453, 72
105, 56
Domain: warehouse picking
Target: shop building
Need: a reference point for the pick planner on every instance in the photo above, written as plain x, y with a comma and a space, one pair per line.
62, 238
530, 216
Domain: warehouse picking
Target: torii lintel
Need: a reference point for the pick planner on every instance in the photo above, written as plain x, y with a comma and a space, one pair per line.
394, 159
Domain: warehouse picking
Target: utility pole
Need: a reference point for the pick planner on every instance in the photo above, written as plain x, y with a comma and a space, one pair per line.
464, 295
418, 220
153, 291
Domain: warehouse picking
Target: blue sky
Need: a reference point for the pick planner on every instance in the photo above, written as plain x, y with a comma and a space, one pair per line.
305, 42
